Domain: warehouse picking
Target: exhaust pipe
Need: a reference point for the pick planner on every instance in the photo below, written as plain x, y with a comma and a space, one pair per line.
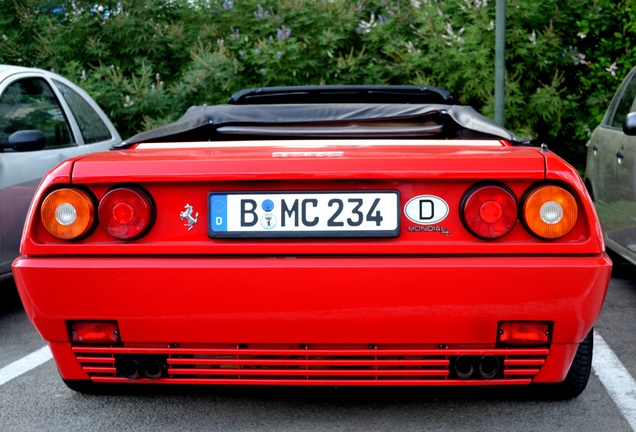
129, 368
134, 367
488, 366
152, 367
464, 367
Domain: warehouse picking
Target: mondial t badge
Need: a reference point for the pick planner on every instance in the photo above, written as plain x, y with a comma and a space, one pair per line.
187, 215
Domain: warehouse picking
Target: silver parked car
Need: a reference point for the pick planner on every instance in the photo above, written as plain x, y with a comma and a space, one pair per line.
611, 170
44, 119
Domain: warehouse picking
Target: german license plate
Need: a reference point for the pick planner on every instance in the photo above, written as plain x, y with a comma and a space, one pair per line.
304, 214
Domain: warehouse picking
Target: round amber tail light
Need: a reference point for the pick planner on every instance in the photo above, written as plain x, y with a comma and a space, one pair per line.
490, 211
550, 211
68, 213
125, 213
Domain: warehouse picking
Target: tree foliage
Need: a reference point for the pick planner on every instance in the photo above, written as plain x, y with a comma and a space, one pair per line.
147, 61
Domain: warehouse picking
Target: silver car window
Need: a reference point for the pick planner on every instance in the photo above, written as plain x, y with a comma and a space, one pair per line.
91, 125
624, 104
30, 104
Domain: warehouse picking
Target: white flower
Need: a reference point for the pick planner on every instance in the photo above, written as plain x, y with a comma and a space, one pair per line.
451, 36
474, 4
366, 26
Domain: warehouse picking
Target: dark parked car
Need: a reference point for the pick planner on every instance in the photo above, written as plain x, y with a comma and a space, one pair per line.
611, 171
44, 119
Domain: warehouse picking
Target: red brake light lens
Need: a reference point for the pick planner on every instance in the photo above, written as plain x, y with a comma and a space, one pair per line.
94, 332
490, 212
524, 333
126, 213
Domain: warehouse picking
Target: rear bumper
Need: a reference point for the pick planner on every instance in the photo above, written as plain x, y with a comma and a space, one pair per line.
438, 308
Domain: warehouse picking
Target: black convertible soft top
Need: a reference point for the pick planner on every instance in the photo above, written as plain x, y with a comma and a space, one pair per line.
330, 112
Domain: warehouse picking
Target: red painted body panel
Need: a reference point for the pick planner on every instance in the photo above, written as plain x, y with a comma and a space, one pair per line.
358, 162
429, 289
176, 177
316, 300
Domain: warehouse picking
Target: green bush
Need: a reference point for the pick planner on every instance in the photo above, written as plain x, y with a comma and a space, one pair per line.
147, 61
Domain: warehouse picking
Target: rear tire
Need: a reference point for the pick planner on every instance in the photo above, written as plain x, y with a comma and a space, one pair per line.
578, 375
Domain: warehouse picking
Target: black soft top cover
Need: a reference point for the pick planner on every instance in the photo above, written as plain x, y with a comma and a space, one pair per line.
330, 112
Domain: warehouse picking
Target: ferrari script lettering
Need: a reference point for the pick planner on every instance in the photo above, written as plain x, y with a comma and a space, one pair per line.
308, 154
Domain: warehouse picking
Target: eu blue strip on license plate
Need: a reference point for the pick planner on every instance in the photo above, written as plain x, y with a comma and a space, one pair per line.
304, 214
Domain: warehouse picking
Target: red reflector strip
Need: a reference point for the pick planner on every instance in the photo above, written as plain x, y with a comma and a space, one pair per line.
524, 333
94, 332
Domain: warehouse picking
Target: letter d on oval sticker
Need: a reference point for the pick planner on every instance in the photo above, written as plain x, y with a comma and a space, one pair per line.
426, 209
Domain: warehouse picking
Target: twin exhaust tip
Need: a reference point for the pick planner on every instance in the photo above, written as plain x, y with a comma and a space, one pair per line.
467, 367
141, 367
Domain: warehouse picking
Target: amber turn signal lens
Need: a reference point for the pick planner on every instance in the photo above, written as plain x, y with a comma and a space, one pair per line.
67, 213
524, 333
550, 212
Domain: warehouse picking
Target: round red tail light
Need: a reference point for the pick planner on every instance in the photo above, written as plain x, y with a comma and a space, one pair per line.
125, 213
490, 211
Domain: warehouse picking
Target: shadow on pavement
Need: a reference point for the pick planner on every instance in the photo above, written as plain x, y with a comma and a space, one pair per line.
9, 299
361, 395
621, 268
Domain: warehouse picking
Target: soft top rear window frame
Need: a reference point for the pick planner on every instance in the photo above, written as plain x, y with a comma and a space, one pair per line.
326, 120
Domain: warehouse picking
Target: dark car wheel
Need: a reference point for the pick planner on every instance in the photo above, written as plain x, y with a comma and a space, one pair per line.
578, 375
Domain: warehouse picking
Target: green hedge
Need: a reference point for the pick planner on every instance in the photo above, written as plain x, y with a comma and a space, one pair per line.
147, 61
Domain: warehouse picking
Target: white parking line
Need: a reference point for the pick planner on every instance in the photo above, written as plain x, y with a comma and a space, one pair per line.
620, 385
25, 364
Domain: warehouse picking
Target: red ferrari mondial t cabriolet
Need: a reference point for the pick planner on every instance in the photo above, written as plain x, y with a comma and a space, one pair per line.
340, 236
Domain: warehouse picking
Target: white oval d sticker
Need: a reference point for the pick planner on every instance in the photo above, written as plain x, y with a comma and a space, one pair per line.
426, 209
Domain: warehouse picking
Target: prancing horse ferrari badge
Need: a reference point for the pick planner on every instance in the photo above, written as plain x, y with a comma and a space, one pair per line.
187, 216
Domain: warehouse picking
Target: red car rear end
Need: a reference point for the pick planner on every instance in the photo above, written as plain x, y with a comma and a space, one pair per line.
295, 258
